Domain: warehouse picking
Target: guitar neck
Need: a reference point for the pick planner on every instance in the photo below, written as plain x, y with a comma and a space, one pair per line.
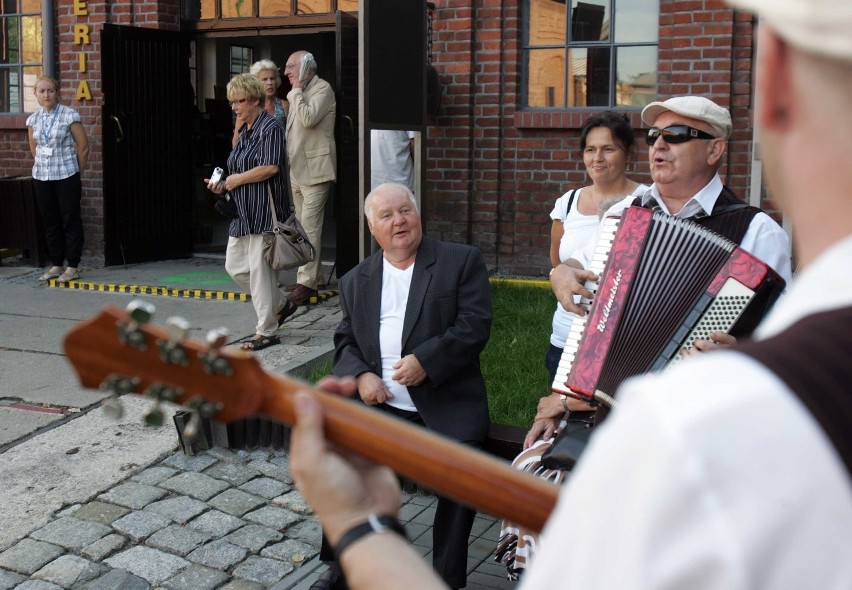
440, 464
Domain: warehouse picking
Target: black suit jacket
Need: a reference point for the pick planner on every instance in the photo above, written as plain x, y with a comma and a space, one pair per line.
447, 324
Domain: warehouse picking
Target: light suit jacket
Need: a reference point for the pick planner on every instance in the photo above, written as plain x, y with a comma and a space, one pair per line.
447, 324
310, 133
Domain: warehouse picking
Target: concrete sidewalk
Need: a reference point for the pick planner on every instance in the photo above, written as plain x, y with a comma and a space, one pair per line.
104, 504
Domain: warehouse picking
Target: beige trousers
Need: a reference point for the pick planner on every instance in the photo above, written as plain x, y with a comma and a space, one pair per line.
244, 262
309, 202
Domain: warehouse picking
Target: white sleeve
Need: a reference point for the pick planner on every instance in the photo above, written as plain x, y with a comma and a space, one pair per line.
769, 242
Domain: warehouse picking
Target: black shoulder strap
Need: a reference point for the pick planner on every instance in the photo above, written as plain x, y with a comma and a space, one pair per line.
570, 202
812, 357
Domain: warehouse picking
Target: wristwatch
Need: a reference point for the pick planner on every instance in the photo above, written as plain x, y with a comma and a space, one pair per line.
374, 524
562, 398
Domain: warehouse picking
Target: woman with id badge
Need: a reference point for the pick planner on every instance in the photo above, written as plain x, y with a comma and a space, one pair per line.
60, 150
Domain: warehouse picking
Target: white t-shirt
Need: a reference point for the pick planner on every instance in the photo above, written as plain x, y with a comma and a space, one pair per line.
711, 475
390, 157
395, 286
578, 230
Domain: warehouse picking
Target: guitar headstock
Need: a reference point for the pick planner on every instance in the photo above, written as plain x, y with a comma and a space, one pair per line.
121, 351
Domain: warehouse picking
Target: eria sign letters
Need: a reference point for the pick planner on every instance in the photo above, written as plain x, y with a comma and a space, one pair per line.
81, 38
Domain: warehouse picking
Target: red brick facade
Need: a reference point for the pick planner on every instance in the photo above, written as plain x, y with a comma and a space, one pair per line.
495, 170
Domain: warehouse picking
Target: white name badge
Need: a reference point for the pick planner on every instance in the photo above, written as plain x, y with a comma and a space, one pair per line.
46, 151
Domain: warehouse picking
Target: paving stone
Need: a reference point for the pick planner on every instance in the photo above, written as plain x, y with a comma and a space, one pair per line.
234, 473
38, 585
294, 502
216, 523
262, 570
119, 580
9, 580
254, 537
276, 518
196, 485
28, 556
238, 584
140, 524
265, 487
183, 462
196, 577
108, 545
279, 472
290, 551
68, 510
152, 565
255, 454
178, 539
307, 531
71, 533
236, 502
179, 509
223, 454
101, 512
133, 494
218, 554
69, 570
154, 475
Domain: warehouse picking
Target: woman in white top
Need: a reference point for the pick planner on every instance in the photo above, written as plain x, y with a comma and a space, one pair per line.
60, 151
607, 142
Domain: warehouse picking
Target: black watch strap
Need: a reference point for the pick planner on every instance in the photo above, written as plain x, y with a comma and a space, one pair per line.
374, 524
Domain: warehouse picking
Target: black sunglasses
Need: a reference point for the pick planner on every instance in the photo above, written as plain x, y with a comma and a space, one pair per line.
676, 134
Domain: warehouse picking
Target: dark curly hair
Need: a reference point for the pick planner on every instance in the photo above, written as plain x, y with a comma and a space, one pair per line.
617, 123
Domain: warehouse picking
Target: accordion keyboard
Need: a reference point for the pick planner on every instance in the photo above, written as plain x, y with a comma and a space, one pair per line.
578, 324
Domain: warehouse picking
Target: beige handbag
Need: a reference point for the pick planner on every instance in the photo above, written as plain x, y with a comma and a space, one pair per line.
286, 246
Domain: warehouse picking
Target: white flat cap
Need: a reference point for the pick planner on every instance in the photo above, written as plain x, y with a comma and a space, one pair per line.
822, 27
694, 107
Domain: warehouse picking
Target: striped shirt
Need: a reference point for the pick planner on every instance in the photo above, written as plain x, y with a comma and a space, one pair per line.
52, 135
262, 145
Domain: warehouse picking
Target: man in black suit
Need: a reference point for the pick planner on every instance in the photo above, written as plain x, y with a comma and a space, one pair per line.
416, 316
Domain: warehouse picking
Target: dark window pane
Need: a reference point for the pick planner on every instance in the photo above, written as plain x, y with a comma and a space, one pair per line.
10, 90
590, 20
314, 7
8, 6
588, 78
275, 7
546, 78
546, 23
636, 76
637, 21
9, 48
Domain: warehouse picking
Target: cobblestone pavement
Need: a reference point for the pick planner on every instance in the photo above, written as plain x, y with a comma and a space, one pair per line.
221, 519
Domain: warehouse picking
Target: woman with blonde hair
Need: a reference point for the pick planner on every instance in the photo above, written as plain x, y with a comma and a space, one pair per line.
60, 151
253, 173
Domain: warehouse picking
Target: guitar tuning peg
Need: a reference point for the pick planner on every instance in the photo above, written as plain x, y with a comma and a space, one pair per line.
140, 311
217, 338
154, 416
172, 351
112, 407
212, 361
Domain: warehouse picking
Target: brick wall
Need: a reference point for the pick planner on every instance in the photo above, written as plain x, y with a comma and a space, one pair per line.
494, 170
17, 160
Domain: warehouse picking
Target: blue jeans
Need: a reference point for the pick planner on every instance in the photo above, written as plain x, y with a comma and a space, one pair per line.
551, 360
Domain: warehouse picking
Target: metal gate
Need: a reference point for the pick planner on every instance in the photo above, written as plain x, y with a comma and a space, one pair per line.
147, 111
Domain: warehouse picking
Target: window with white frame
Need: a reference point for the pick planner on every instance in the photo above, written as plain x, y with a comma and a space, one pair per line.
590, 53
20, 54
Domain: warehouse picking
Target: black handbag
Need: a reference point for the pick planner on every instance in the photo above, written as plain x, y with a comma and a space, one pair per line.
569, 444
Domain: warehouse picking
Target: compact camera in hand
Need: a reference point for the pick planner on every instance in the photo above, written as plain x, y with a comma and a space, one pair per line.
216, 176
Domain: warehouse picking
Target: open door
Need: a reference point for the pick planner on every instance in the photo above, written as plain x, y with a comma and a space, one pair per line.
147, 113
346, 136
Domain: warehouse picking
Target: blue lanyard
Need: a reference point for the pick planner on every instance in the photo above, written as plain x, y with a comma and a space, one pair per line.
46, 129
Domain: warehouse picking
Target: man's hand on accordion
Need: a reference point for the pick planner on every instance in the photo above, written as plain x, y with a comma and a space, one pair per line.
716, 340
567, 280
542, 428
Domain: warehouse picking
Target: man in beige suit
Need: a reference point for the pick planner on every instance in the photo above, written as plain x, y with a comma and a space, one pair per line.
313, 160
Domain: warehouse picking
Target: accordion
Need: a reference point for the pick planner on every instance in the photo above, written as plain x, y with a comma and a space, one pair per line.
664, 283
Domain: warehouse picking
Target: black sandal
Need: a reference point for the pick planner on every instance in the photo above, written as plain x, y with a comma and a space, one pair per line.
285, 312
260, 342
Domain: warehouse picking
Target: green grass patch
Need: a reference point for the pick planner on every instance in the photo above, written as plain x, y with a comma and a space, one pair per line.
513, 359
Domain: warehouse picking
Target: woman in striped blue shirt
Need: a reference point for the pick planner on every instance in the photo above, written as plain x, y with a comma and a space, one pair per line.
254, 172
60, 151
